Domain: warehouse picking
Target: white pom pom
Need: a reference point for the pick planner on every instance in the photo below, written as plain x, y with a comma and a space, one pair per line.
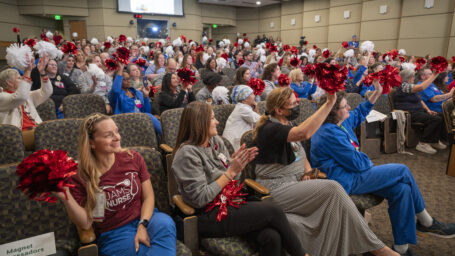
177, 42
59, 54
145, 39
349, 53
262, 45
204, 39
129, 39
263, 58
43, 47
94, 41
18, 56
74, 34
220, 94
94, 70
192, 43
49, 34
312, 52
221, 62
402, 52
261, 52
407, 65
386, 58
162, 41
221, 44
240, 41
238, 34
367, 46
110, 39
246, 44
205, 57
303, 54
146, 49
169, 51
226, 41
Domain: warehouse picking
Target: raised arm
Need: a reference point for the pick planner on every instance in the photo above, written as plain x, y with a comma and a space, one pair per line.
424, 85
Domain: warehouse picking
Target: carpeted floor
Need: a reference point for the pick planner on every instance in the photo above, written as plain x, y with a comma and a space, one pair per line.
437, 189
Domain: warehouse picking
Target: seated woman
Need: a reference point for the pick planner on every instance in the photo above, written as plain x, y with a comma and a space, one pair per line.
18, 104
210, 66
96, 85
244, 116
70, 70
407, 98
112, 192
137, 80
171, 96
432, 96
158, 67
125, 99
242, 76
321, 213
334, 148
211, 81
203, 167
303, 88
270, 78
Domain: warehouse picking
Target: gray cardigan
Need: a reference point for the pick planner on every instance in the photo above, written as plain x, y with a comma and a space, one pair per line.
196, 170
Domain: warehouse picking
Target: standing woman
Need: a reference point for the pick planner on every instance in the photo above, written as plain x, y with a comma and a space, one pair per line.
126, 221
171, 97
203, 167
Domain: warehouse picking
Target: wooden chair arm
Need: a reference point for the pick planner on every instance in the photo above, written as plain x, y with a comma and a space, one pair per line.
257, 187
166, 148
86, 236
185, 208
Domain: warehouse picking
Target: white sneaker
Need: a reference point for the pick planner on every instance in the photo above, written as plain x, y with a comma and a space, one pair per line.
425, 148
438, 145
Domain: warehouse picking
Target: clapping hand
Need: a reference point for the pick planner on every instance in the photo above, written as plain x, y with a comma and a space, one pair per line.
241, 158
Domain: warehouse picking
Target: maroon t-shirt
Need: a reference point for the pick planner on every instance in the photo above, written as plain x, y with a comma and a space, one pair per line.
122, 187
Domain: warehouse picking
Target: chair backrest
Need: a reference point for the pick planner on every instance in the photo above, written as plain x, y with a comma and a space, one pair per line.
354, 99
226, 81
306, 110
197, 86
262, 107
222, 113
136, 129
392, 99
46, 110
11, 144
249, 170
158, 178
382, 103
21, 217
447, 108
60, 134
229, 72
170, 122
82, 105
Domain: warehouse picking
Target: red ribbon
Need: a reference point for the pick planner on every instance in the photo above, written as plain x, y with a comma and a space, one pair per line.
230, 195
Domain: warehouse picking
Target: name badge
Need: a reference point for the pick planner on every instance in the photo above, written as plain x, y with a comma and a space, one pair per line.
102, 86
60, 84
98, 211
222, 158
138, 103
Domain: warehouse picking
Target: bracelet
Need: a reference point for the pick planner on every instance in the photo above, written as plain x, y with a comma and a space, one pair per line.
45, 79
227, 176
27, 78
43, 75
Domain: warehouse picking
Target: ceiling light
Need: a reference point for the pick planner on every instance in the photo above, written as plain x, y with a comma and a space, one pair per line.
258, 2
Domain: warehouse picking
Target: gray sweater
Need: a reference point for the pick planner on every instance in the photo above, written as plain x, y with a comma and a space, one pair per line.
196, 170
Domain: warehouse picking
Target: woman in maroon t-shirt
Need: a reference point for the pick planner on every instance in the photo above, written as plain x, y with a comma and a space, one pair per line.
113, 193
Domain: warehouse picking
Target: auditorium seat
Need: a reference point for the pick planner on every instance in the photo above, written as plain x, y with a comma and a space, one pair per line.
82, 105
11, 144
136, 129
46, 110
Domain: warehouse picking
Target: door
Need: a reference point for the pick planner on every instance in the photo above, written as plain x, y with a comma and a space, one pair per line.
79, 27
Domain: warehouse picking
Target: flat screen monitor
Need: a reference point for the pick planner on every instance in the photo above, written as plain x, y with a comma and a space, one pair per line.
156, 29
156, 7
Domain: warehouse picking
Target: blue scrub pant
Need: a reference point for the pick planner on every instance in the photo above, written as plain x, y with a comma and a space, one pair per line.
120, 241
395, 183
156, 125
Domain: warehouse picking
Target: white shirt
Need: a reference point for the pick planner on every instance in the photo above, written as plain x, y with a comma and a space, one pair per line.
241, 120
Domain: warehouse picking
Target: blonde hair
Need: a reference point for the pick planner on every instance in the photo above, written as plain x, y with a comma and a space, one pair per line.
7, 75
88, 168
276, 99
294, 75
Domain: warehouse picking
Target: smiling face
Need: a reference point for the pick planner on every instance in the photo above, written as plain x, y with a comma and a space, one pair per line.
212, 128
343, 111
247, 75
161, 60
70, 62
126, 82
174, 82
134, 72
106, 138
51, 67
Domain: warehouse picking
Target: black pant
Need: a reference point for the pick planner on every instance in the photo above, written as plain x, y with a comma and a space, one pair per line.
433, 126
263, 219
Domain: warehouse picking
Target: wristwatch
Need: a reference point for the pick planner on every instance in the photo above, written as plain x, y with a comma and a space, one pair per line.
144, 222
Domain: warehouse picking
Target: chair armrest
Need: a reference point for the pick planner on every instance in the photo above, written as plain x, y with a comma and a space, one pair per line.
257, 187
166, 148
185, 208
86, 236
157, 117
321, 175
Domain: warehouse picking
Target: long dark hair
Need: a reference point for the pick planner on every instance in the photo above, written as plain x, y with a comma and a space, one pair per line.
268, 71
207, 64
239, 76
166, 84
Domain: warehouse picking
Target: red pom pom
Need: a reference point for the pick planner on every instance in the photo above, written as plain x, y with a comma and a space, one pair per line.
257, 85
107, 45
236, 44
57, 39
200, 48
151, 55
245, 40
230, 195
280, 62
273, 48
295, 62
326, 53
183, 38
143, 43
283, 80
168, 38
393, 54
152, 91
439, 64
122, 38
190, 41
110, 64
315, 46
186, 75
388, 77
45, 171
30, 42
158, 45
267, 45
331, 78
225, 56
453, 59
286, 48
371, 77
305, 42
69, 47
309, 70
294, 50
345, 44
122, 54
450, 86
374, 54
241, 62
244, 34
402, 59
384, 55
140, 62
210, 40
16, 30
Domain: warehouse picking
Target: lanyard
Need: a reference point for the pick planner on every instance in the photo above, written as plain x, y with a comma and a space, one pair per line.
353, 143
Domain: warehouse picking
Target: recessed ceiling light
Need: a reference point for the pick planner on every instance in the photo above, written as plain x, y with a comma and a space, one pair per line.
258, 2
